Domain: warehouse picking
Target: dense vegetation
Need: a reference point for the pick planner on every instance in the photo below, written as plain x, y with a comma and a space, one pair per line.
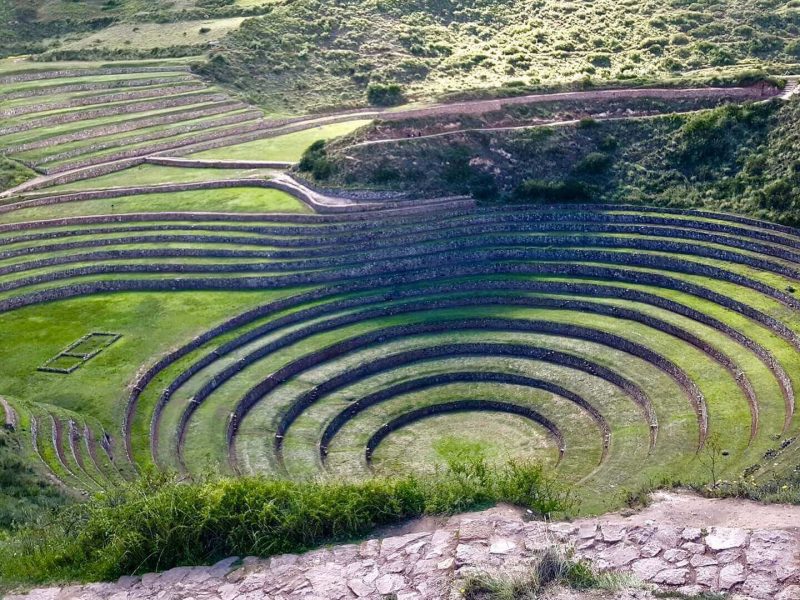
158, 522
738, 158
309, 54
13, 173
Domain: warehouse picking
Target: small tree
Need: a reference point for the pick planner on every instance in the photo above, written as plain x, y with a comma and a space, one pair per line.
711, 457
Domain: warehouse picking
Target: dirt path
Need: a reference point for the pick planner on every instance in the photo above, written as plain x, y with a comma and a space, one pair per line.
540, 123
672, 507
695, 511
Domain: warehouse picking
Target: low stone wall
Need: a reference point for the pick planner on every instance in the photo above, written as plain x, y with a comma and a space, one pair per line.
49, 90
101, 99
65, 73
186, 127
148, 149
177, 116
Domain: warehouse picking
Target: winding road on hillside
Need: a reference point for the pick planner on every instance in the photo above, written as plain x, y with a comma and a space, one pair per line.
176, 157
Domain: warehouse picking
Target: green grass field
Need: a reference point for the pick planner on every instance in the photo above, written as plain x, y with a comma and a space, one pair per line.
288, 147
221, 200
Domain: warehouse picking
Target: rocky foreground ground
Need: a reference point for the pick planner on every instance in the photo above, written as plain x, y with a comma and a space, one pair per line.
682, 544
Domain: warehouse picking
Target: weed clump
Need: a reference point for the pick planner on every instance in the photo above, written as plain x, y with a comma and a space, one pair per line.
553, 567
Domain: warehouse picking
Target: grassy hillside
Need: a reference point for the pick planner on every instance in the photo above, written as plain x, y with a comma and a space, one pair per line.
732, 158
309, 54
60, 25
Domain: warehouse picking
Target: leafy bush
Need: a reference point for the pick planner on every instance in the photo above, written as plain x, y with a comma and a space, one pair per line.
158, 522
540, 191
384, 94
315, 161
594, 163
711, 135
13, 173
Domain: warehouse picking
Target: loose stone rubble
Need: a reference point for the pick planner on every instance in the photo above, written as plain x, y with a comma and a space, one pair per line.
759, 564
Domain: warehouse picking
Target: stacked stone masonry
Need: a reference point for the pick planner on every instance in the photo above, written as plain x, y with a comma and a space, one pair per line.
759, 564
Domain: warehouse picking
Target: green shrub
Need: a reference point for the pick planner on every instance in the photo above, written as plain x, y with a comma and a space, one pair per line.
793, 48
13, 173
315, 161
594, 163
385, 94
608, 143
539, 191
158, 522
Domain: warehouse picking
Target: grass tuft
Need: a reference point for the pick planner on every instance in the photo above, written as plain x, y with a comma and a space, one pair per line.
554, 567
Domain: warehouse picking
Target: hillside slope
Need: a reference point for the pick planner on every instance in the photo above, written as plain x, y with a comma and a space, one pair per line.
309, 55
732, 158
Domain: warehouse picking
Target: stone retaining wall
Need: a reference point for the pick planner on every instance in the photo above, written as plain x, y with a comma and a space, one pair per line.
272, 381
66, 73
250, 137
49, 90
101, 99
217, 164
185, 127
112, 110
424, 383
483, 106
582, 289
148, 149
176, 116
367, 265
306, 256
